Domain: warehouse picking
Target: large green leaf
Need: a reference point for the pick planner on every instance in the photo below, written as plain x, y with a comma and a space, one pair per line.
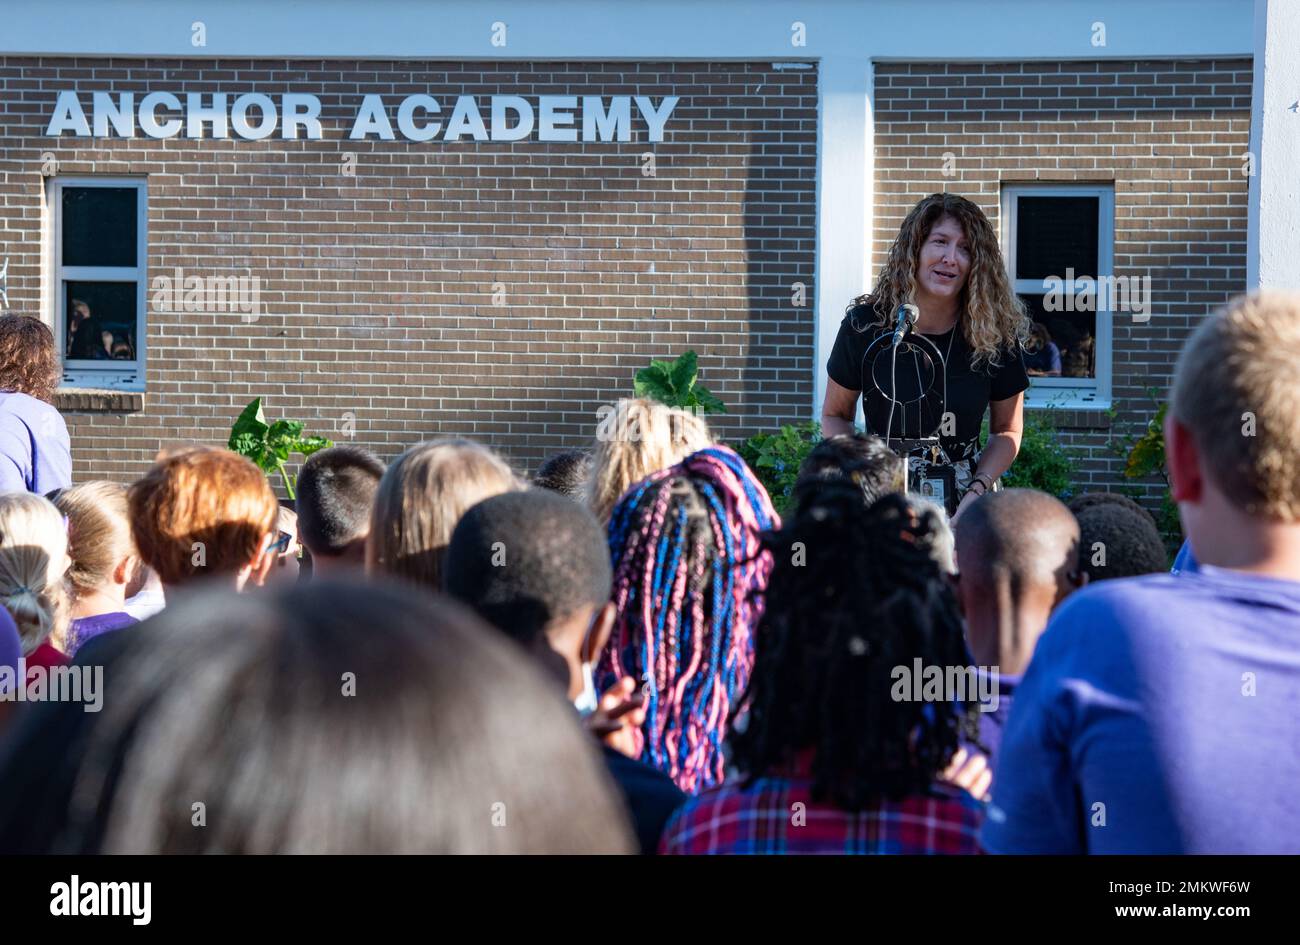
674, 384
285, 430
706, 401
313, 444
246, 444
683, 371
271, 445
655, 382
249, 429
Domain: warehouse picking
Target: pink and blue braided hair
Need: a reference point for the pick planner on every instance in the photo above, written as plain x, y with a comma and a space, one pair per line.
689, 574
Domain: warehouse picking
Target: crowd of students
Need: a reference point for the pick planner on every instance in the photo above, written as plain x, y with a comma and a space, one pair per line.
635, 652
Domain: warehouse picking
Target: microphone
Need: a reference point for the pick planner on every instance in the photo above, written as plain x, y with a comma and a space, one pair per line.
904, 319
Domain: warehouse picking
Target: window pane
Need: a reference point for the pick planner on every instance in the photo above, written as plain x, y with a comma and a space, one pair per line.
99, 226
1054, 234
1063, 344
100, 321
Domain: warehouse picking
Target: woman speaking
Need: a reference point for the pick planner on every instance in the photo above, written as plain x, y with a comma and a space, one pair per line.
937, 343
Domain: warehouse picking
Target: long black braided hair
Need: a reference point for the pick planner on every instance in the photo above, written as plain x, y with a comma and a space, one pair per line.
855, 592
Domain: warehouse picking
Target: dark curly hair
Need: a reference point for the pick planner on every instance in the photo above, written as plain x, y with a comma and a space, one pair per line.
1087, 500
29, 360
1126, 537
861, 458
855, 591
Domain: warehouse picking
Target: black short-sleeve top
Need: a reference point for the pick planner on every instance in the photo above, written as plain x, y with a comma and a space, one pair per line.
922, 399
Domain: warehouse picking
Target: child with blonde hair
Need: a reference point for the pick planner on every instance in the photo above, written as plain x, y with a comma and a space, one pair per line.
33, 563
104, 559
638, 438
421, 497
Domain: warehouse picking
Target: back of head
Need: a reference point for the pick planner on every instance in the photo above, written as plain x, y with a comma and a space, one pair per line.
29, 359
855, 592
421, 497
1115, 542
522, 560
403, 726
336, 491
1088, 500
689, 572
1020, 539
1235, 390
201, 512
638, 438
33, 562
566, 473
861, 458
99, 533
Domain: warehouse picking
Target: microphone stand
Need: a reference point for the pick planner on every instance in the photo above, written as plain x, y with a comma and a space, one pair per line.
925, 474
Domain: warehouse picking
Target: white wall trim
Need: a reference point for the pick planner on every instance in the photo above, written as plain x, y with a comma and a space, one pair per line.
845, 164
664, 29
1273, 226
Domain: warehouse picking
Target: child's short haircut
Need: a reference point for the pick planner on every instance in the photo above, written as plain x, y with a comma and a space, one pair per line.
201, 512
1117, 542
1235, 389
336, 490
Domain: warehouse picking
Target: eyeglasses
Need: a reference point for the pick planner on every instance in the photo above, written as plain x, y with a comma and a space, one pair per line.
280, 548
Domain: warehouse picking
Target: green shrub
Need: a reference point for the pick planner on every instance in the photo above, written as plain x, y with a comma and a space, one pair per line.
1043, 463
775, 458
674, 384
269, 445
1144, 455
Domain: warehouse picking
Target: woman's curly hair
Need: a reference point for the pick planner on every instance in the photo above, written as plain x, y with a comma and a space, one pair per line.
992, 317
29, 360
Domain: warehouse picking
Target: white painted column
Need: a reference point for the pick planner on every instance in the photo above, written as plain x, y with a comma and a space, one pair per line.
845, 166
1273, 230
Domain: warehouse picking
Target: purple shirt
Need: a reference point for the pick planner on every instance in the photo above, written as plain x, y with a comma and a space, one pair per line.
87, 628
11, 648
1158, 715
993, 723
35, 455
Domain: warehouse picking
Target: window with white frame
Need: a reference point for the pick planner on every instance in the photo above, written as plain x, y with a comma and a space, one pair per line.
99, 247
1058, 242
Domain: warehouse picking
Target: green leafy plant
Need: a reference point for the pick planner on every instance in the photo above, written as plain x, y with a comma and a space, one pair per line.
270, 445
1144, 456
775, 458
1044, 462
675, 384
1147, 453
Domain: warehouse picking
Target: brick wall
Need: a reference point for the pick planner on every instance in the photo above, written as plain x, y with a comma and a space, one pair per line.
1168, 134
377, 290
